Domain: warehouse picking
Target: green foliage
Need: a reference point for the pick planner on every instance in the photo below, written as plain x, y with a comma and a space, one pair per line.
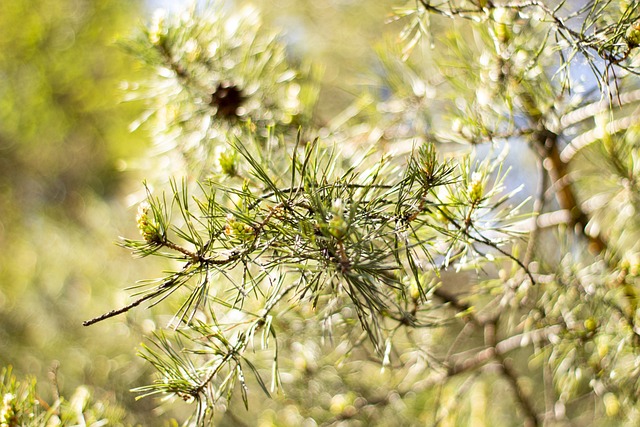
384, 262
218, 72
597, 30
21, 406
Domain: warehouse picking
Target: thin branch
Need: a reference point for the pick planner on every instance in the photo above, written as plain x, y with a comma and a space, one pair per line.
531, 416
455, 302
612, 53
485, 241
124, 309
473, 359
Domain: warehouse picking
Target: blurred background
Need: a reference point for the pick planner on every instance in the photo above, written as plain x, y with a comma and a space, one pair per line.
63, 137
65, 156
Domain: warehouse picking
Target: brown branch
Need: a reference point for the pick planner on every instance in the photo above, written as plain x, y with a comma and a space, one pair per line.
462, 362
546, 143
121, 310
166, 285
189, 254
194, 258
531, 416
482, 357
452, 300
507, 371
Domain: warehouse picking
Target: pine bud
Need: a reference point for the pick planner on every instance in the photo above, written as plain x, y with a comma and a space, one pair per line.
590, 324
157, 30
414, 290
238, 230
475, 189
611, 404
337, 224
228, 160
633, 35
147, 225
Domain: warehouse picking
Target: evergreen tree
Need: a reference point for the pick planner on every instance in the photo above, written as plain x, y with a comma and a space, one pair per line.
381, 267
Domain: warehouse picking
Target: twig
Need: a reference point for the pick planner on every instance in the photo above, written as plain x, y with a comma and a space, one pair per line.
531, 416
159, 291
124, 309
461, 362
580, 42
485, 241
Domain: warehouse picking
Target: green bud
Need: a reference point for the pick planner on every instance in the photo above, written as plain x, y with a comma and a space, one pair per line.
611, 404
633, 35
475, 189
590, 324
337, 224
228, 160
237, 229
337, 227
414, 290
147, 225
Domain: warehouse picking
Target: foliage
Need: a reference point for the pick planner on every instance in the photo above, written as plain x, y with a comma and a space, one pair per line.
393, 233
21, 406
